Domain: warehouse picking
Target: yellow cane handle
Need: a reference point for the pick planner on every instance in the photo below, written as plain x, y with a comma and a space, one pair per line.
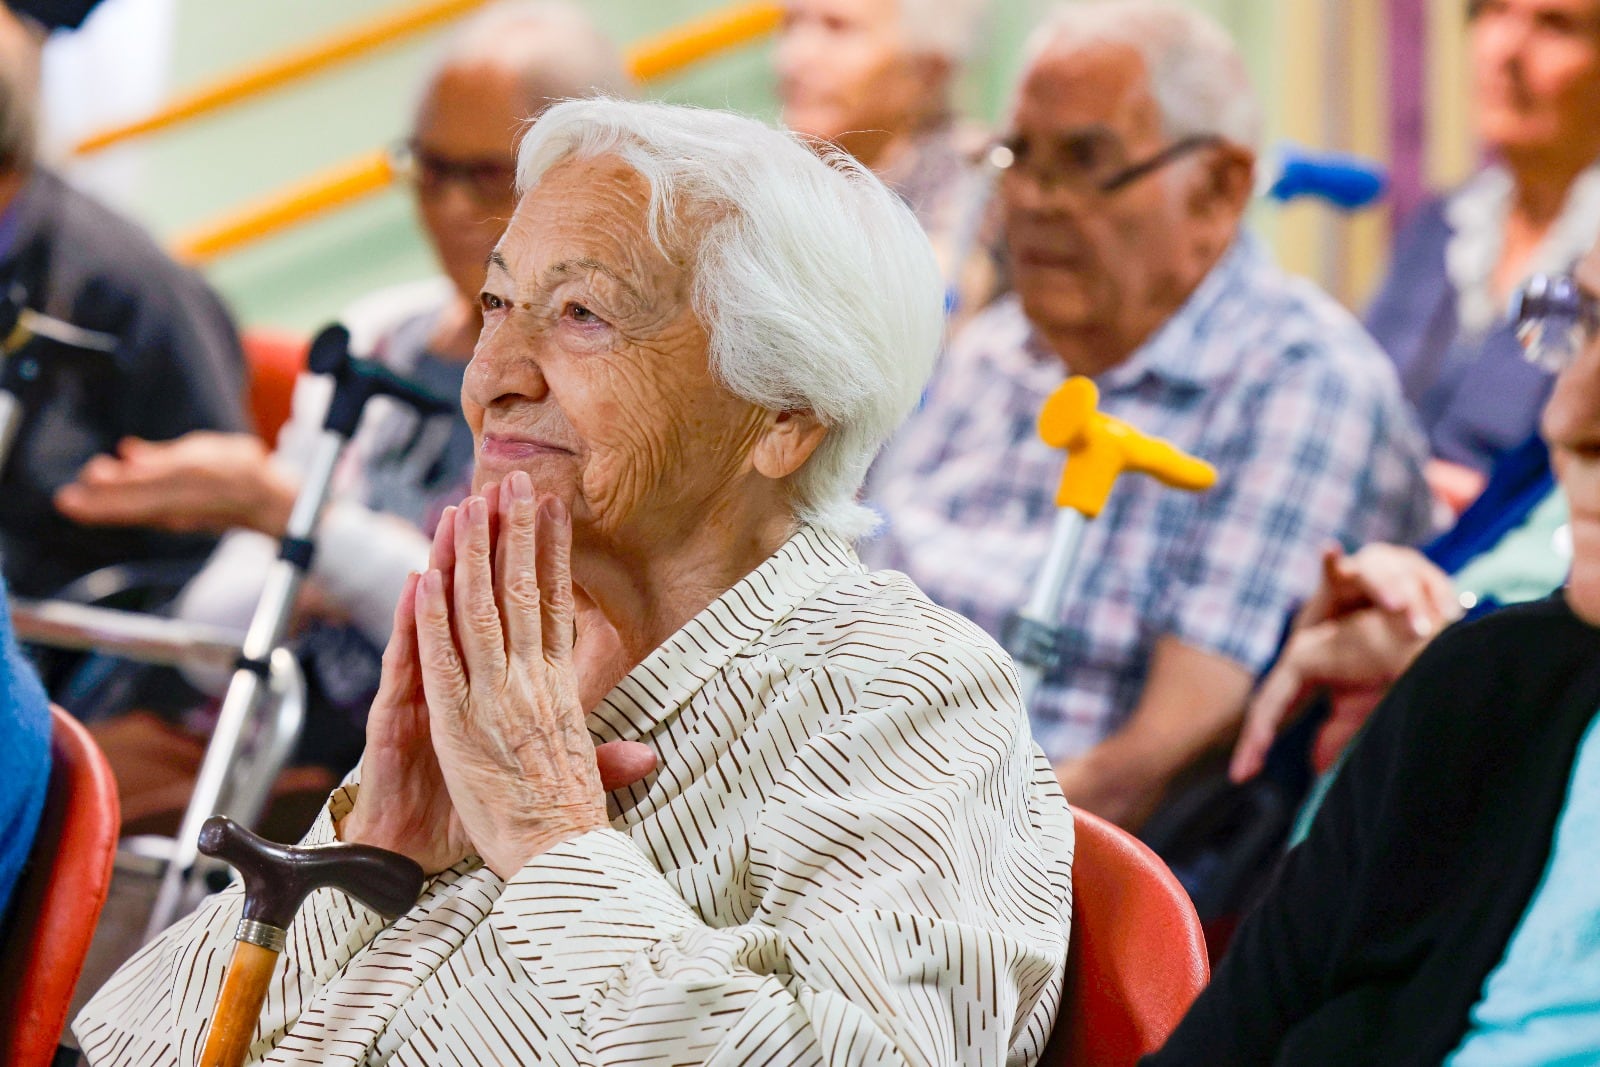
1160, 459
1100, 448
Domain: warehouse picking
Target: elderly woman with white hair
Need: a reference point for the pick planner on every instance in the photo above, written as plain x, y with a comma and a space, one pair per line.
696, 333
510, 60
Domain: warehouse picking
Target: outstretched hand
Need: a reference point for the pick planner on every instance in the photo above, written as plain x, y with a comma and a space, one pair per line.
204, 481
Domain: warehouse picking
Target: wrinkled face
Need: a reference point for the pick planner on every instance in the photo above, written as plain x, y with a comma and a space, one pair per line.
843, 68
1536, 72
464, 148
1083, 260
592, 370
1572, 428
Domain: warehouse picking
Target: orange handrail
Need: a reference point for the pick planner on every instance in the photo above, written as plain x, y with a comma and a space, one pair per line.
277, 71
686, 45
371, 172
332, 188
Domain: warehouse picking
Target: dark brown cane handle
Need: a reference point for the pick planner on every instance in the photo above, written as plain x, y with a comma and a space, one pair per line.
278, 877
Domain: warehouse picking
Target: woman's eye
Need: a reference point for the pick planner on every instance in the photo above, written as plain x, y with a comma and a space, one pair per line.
490, 302
579, 313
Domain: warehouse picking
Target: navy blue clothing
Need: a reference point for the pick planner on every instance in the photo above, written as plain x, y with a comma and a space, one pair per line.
1521, 480
1477, 397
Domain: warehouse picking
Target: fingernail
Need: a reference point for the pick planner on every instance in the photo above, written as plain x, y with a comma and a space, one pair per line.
432, 583
478, 509
1421, 625
551, 509
521, 486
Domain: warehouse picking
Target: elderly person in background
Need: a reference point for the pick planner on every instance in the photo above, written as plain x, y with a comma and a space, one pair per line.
1535, 208
131, 325
509, 61
1132, 134
696, 334
1444, 907
875, 77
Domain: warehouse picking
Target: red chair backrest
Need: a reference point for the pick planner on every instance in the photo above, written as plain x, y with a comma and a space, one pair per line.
275, 360
1137, 958
58, 900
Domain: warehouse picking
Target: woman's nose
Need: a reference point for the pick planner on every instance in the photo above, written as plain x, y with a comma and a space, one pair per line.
1572, 417
504, 366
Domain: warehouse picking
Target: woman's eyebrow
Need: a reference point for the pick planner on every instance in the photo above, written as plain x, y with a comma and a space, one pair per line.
568, 267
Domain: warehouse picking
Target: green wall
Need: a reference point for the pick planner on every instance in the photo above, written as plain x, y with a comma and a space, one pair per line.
303, 277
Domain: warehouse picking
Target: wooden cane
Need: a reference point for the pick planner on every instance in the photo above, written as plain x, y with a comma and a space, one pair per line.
277, 878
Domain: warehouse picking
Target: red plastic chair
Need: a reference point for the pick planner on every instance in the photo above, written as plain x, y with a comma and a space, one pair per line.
58, 901
1137, 958
275, 359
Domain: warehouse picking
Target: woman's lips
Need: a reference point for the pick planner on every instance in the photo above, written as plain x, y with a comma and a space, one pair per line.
512, 448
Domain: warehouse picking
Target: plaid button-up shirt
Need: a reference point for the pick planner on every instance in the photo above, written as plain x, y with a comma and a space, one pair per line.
1260, 374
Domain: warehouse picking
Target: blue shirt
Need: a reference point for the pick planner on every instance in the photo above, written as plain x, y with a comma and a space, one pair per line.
1259, 373
24, 756
1541, 1005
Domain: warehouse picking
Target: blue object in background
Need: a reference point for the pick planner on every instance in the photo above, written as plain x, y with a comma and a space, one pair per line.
24, 755
1344, 180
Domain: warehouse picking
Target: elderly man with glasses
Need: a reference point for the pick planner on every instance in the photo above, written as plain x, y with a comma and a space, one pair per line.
1131, 167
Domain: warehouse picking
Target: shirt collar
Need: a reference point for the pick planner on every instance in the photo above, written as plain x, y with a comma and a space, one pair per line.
655, 690
1177, 352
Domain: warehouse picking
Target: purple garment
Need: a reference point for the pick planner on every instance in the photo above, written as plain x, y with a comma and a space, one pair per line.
1477, 397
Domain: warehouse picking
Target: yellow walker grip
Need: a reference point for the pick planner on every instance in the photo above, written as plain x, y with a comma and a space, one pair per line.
1101, 447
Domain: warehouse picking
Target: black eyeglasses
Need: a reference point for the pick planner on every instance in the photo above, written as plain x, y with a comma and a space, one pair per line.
1555, 318
488, 181
1089, 163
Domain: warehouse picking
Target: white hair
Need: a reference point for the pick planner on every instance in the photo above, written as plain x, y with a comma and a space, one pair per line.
552, 45
1196, 73
950, 29
815, 284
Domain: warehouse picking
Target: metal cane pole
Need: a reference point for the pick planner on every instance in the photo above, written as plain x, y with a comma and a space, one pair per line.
356, 382
1100, 448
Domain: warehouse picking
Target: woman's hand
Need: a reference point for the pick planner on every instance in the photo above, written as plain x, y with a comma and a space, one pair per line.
403, 804
496, 646
1372, 614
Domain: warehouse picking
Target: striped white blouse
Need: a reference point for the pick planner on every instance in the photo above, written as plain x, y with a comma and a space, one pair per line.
851, 853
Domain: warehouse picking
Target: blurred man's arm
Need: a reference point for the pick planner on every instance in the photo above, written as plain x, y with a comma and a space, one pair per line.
1191, 703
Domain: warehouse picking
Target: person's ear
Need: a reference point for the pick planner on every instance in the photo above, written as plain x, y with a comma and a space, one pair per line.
1225, 180
787, 442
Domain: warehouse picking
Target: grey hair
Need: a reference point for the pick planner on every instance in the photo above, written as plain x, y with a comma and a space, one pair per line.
946, 28
552, 44
1196, 73
815, 284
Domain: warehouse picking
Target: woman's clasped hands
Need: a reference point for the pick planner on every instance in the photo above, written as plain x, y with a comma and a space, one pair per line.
477, 740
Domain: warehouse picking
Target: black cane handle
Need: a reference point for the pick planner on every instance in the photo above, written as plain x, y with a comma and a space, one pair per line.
278, 877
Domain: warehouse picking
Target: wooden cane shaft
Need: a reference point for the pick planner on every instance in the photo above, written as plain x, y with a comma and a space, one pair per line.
244, 990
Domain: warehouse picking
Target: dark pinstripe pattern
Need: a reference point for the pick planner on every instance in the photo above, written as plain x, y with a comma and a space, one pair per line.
851, 853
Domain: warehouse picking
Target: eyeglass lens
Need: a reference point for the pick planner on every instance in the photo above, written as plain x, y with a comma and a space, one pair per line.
1554, 319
